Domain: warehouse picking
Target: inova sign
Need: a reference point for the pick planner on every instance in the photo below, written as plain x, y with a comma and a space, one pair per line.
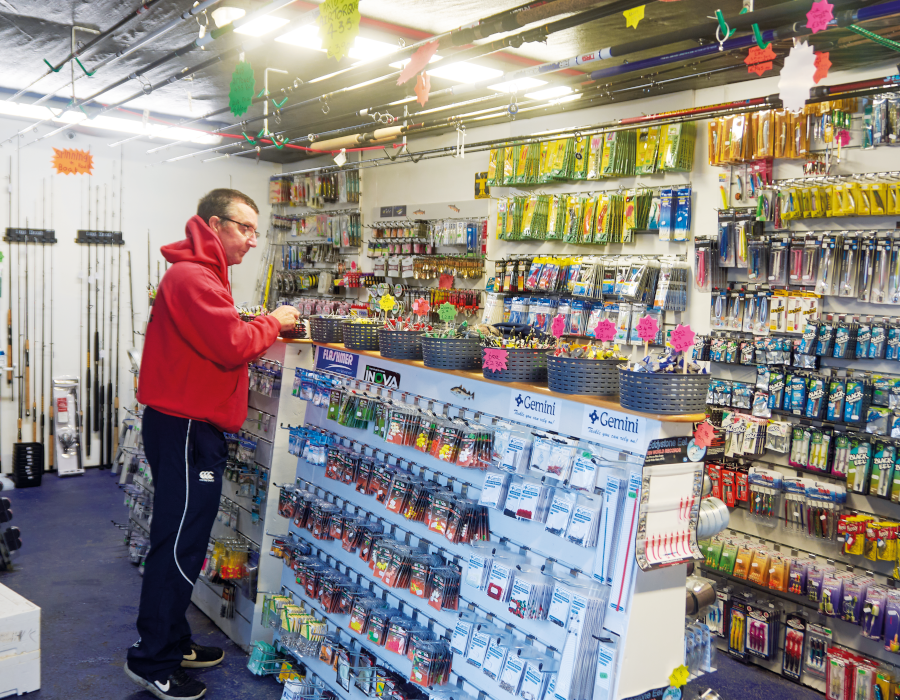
536, 410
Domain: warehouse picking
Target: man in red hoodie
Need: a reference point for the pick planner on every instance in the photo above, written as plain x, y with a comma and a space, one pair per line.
194, 384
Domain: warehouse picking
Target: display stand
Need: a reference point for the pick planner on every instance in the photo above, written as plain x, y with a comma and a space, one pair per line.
645, 609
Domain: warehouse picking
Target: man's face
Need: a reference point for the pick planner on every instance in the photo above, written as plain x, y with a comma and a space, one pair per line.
235, 231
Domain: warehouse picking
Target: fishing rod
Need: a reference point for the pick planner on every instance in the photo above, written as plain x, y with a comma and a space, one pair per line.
87, 384
27, 346
97, 380
19, 342
109, 377
199, 42
88, 49
51, 435
43, 333
9, 313
104, 399
118, 351
131, 297
34, 376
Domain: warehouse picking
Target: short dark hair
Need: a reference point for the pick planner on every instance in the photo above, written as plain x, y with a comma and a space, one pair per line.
218, 203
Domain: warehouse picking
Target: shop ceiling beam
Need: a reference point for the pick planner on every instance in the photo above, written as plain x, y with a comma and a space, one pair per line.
89, 48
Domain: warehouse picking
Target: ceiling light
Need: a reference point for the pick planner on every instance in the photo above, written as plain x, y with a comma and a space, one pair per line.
567, 98
519, 85
261, 25
550, 93
306, 37
465, 72
401, 64
224, 16
369, 49
127, 126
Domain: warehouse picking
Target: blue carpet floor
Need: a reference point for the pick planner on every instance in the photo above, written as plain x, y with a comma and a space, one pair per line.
73, 564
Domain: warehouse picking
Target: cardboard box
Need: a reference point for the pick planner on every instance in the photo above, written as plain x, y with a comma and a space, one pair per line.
20, 624
20, 673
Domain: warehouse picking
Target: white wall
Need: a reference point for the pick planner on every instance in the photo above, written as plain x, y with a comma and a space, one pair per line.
157, 197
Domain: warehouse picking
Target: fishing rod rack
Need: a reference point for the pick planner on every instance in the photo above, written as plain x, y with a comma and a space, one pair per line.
92, 237
30, 235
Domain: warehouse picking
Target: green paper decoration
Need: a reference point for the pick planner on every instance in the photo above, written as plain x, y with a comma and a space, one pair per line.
240, 95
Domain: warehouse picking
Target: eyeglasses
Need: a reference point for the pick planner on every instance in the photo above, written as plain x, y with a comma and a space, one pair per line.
246, 229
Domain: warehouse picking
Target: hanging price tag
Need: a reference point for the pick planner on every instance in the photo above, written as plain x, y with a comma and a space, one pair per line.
339, 24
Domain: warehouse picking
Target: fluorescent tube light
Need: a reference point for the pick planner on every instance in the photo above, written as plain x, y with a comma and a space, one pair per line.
261, 25
519, 85
368, 49
223, 16
127, 126
401, 64
550, 93
465, 72
306, 37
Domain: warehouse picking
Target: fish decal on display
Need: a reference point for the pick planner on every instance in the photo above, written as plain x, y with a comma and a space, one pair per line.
461, 391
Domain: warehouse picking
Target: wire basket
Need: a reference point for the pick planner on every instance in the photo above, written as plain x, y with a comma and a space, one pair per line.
522, 365
578, 375
659, 392
400, 345
451, 353
361, 335
327, 329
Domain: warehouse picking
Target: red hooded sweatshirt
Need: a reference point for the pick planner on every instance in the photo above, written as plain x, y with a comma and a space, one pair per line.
196, 350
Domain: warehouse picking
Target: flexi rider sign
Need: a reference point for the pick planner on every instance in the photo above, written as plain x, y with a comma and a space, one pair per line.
534, 409
339, 361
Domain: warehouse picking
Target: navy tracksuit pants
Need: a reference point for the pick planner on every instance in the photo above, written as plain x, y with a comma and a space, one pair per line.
187, 459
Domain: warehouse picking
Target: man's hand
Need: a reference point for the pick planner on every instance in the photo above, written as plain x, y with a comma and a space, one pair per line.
287, 316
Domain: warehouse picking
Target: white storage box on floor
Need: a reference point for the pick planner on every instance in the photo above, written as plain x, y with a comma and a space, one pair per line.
20, 644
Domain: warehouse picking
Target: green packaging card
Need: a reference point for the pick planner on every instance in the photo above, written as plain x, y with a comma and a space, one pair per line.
334, 404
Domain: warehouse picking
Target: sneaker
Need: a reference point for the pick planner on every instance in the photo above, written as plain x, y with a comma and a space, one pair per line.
178, 686
202, 657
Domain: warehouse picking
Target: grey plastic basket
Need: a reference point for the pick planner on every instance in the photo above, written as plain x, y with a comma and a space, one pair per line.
653, 392
400, 345
451, 353
522, 365
361, 335
578, 375
327, 329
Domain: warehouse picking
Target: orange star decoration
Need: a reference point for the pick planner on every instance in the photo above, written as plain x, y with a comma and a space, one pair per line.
72, 161
423, 87
822, 64
759, 60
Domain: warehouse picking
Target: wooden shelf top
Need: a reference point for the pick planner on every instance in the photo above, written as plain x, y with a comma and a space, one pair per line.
608, 402
294, 340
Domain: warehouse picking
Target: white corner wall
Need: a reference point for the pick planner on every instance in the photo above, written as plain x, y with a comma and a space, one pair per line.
156, 198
